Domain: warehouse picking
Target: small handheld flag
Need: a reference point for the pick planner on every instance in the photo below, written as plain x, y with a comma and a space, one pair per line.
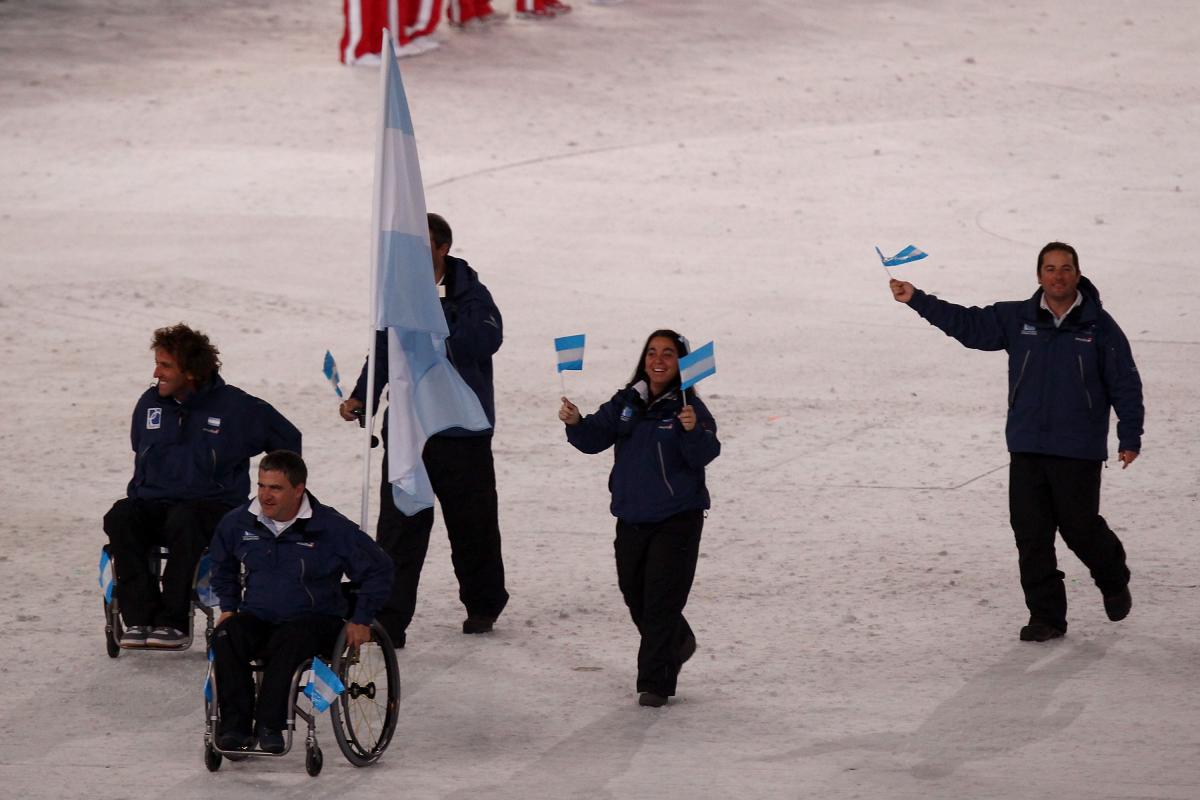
331, 374
204, 591
570, 352
696, 366
107, 581
208, 688
323, 686
908, 254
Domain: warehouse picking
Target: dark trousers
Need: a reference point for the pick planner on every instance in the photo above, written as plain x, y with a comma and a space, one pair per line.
282, 647
135, 529
463, 477
656, 564
1048, 493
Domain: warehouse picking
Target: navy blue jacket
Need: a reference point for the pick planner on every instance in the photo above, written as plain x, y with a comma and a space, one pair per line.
1061, 381
300, 573
476, 333
200, 449
658, 467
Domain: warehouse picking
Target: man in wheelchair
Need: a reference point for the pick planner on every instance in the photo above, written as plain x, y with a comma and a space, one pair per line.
277, 568
193, 437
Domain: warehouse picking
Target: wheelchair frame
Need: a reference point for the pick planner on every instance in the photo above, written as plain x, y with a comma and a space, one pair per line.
114, 627
362, 727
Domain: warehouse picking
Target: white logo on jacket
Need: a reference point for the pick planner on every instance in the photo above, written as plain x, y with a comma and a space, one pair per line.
153, 419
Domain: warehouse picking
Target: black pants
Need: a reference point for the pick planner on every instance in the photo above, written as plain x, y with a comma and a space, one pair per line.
656, 564
463, 477
1048, 493
135, 528
282, 647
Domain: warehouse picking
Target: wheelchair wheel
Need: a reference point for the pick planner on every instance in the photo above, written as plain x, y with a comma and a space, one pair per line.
212, 759
313, 760
364, 716
112, 630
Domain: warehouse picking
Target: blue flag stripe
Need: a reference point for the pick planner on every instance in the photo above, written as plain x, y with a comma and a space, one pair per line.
575, 342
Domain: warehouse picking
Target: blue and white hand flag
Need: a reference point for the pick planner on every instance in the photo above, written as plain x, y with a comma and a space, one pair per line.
908, 254
696, 366
107, 581
570, 352
331, 374
208, 690
323, 686
426, 393
204, 591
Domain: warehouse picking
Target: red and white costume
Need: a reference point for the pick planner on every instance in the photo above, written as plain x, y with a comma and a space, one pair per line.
461, 11
362, 37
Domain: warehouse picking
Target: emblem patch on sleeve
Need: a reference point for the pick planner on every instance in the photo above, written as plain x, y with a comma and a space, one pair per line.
153, 419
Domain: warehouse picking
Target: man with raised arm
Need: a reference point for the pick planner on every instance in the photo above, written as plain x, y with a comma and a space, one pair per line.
1069, 366
193, 437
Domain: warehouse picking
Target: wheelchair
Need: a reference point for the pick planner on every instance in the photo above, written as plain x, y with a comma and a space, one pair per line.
203, 600
364, 715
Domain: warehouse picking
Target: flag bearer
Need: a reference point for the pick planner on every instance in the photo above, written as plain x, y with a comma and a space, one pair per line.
459, 461
1069, 364
662, 441
291, 553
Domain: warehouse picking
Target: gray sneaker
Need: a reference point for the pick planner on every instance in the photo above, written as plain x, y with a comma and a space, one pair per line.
135, 636
167, 638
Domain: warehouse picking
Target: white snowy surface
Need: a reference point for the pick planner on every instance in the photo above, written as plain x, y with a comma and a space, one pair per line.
724, 168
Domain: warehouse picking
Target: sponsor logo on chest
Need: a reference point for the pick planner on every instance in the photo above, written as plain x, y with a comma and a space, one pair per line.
153, 419
214, 425
1028, 330
250, 536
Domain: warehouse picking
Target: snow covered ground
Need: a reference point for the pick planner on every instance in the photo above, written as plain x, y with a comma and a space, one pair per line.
724, 168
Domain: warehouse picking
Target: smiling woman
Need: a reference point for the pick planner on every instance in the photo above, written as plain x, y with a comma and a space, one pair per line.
662, 442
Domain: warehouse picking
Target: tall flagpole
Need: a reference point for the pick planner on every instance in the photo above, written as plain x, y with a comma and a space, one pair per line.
385, 54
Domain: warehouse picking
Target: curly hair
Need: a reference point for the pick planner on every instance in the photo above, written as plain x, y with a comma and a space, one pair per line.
191, 349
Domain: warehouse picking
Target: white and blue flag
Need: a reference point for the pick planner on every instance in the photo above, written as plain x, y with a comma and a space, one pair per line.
323, 685
570, 352
696, 366
204, 591
331, 374
425, 392
107, 580
905, 256
208, 690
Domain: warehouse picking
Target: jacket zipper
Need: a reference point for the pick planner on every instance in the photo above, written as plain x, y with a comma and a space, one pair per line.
311, 600
1012, 396
663, 466
1083, 380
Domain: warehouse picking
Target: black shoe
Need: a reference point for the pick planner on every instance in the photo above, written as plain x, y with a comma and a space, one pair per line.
687, 650
1040, 632
1117, 605
234, 740
270, 740
473, 624
651, 700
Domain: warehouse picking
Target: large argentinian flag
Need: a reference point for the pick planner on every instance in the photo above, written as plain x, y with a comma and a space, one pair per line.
425, 392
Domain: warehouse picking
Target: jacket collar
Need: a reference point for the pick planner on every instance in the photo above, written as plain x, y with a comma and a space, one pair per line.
1087, 311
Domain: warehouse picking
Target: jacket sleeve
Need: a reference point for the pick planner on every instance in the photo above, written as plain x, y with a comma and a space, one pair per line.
225, 566
597, 432
370, 567
476, 328
381, 373
1124, 387
974, 327
700, 445
278, 433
